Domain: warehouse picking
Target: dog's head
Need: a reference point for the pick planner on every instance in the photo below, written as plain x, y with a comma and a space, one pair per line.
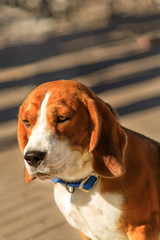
65, 130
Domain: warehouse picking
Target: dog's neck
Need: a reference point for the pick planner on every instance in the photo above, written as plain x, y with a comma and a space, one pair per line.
85, 184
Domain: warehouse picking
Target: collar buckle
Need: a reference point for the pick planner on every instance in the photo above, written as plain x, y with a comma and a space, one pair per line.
69, 188
84, 181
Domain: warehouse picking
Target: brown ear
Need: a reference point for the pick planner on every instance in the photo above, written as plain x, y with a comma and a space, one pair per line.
108, 140
22, 140
27, 177
21, 132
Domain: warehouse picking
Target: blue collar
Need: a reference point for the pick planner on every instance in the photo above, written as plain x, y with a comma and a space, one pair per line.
85, 184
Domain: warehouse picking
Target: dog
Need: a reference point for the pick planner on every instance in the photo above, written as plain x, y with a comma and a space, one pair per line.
106, 177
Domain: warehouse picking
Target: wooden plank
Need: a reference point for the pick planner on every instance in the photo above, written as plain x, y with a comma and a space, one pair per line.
58, 233
41, 221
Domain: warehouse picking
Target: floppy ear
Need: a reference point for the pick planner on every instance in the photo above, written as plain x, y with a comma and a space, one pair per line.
108, 140
27, 177
22, 140
21, 132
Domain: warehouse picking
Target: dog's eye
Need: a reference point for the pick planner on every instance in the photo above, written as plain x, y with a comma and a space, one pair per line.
62, 119
26, 123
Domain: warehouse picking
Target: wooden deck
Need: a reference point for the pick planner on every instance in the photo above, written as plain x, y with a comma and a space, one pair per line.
118, 70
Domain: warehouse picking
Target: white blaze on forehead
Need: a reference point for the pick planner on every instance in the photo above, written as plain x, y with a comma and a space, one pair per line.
39, 136
43, 110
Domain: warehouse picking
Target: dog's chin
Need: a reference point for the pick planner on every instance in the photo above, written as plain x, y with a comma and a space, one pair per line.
44, 176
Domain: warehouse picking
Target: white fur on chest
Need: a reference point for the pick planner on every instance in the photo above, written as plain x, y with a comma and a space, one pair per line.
94, 214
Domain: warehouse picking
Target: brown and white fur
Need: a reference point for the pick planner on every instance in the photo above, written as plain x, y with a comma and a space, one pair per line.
65, 130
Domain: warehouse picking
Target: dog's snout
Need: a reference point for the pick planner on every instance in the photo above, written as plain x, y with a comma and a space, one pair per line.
34, 158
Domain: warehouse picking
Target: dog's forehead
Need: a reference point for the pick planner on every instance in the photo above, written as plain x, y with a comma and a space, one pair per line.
63, 90
33, 102
62, 93
67, 99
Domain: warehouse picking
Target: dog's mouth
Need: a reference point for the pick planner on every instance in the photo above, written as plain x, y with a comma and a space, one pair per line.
40, 172
44, 172
43, 176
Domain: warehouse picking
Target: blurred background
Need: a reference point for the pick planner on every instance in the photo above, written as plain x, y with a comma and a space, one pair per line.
111, 46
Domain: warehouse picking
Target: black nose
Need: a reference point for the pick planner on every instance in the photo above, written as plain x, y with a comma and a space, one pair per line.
34, 158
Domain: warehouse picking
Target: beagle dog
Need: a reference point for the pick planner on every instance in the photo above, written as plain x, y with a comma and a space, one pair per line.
107, 177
